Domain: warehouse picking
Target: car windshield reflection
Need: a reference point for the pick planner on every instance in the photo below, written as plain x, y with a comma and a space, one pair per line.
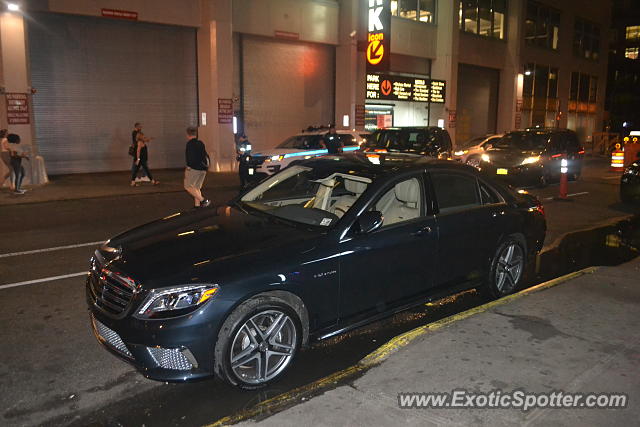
307, 196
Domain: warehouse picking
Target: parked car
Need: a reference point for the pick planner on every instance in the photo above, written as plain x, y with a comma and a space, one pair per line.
323, 247
430, 141
533, 156
470, 152
299, 147
630, 183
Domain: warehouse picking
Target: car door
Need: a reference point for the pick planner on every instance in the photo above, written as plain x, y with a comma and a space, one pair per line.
394, 264
469, 216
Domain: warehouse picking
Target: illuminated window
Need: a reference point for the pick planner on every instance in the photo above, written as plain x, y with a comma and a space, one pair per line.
417, 10
631, 52
633, 32
586, 39
542, 25
583, 93
483, 17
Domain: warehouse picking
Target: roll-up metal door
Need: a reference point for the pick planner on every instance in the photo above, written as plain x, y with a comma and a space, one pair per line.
287, 86
96, 77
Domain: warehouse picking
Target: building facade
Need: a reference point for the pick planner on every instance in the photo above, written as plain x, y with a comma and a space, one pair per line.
77, 74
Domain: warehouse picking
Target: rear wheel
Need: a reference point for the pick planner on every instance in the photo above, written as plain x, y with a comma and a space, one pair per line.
507, 267
257, 343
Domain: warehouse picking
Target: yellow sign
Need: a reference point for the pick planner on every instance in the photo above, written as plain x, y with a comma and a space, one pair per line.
375, 52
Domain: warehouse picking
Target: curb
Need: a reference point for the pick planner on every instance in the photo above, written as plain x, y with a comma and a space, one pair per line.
282, 401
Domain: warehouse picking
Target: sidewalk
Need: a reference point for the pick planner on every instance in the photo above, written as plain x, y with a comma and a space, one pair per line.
84, 186
582, 335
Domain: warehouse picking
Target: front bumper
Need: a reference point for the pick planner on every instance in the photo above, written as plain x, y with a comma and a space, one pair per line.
516, 175
174, 349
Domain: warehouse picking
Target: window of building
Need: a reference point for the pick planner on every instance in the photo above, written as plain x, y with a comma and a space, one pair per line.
633, 32
542, 24
484, 17
540, 94
583, 93
586, 39
631, 52
417, 10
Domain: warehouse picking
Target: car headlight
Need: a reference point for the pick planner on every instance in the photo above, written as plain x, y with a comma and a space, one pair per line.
276, 158
460, 153
175, 301
485, 158
532, 159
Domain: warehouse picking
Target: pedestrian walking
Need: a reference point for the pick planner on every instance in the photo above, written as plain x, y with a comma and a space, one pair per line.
17, 154
137, 130
332, 141
243, 151
140, 160
6, 159
197, 164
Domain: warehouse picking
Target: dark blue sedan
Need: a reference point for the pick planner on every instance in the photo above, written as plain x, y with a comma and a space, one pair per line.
322, 247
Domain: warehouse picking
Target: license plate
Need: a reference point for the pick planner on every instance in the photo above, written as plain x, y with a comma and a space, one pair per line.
250, 171
502, 171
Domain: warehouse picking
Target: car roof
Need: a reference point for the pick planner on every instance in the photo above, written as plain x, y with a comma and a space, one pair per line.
360, 163
323, 131
543, 130
409, 128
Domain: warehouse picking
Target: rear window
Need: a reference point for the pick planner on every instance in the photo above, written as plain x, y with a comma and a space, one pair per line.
455, 192
302, 142
403, 139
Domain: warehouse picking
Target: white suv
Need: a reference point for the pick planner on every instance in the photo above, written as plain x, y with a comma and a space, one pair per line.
299, 147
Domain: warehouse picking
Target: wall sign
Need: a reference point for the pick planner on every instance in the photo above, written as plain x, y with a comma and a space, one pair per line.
399, 88
225, 110
120, 14
378, 35
359, 119
17, 108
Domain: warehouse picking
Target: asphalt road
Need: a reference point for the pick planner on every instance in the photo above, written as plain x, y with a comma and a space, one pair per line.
54, 372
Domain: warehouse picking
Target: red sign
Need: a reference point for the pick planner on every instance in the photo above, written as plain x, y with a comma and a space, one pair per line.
359, 119
120, 14
518, 105
518, 120
286, 35
452, 118
17, 108
225, 110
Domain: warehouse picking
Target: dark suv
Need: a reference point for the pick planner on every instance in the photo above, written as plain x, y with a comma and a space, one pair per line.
429, 141
534, 156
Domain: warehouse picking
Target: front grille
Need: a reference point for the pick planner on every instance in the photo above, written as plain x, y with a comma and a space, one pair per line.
274, 168
257, 160
109, 292
170, 358
110, 338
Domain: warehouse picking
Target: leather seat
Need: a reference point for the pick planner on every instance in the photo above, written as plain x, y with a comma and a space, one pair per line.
405, 204
345, 202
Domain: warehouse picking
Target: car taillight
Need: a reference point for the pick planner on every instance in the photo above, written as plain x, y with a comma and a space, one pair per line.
538, 207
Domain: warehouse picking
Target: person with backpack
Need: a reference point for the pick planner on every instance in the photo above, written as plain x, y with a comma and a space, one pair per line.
197, 164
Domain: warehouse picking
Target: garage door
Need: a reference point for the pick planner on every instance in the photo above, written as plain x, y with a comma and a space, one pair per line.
95, 77
288, 86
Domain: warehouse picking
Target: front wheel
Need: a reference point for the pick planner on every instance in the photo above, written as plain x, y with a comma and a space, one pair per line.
507, 268
257, 343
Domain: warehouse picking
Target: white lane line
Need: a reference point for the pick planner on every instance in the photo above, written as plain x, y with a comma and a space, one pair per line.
582, 193
56, 248
46, 279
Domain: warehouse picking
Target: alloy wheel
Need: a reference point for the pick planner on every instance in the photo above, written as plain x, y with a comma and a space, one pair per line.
509, 268
263, 346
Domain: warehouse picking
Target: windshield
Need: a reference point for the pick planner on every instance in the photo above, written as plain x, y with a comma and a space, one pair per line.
302, 142
403, 139
308, 196
522, 141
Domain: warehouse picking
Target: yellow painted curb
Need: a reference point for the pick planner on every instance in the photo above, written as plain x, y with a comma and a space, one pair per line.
271, 406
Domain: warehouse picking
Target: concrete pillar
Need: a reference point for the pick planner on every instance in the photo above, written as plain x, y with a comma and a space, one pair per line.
215, 80
510, 89
14, 78
347, 63
445, 66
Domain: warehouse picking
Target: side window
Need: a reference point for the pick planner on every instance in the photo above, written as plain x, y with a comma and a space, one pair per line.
558, 144
403, 202
455, 192
488, 195
573, 145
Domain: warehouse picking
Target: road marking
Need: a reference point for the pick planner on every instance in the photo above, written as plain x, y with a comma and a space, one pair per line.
46, 279
582, 193
56, 248
285, 400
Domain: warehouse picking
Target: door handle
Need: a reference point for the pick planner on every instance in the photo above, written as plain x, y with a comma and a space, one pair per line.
423, 231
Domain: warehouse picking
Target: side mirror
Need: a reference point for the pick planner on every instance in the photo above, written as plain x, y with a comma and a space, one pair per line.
370, 221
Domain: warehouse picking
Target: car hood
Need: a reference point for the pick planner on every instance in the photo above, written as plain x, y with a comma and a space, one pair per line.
280, 151
172, 248
509, 157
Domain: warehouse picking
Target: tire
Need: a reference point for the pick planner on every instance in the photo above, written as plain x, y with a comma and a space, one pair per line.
245, 343
507, 267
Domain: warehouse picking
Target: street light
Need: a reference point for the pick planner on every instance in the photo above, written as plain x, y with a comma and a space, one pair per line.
13, 7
